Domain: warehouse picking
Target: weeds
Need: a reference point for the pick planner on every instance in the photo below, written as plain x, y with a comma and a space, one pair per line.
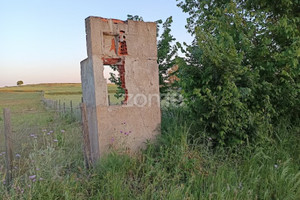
50, 165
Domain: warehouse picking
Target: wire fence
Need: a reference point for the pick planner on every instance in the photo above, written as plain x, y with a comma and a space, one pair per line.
68, 110
18, 142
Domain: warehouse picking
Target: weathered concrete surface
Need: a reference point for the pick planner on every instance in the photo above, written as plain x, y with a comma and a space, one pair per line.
139, 119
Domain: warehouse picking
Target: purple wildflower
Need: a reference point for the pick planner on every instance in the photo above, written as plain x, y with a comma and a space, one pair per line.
18, 155
32, 177
62, 131
55, 140
121, 131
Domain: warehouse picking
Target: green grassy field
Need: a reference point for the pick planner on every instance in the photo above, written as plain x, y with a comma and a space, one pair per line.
50, 162
63, 92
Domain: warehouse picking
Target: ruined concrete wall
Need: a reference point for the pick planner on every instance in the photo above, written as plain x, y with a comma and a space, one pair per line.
132, 45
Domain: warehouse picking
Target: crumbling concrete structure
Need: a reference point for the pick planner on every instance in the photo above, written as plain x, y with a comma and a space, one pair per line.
131, 46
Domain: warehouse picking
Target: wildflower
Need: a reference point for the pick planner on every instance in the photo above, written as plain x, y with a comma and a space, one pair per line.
41, 179
50, 131
55, 140
33, 180
62, 131
32, 135
37, 169
209, 138
44, 130
18, 155
32, 177
112, 140
276, 166
121, 131
126, 133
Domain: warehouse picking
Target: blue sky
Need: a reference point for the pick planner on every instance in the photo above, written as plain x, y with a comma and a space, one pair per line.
44, 41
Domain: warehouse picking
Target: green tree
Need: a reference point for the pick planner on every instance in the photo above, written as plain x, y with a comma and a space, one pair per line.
242, 71
135, 18
166, 53
117, 81
20, 83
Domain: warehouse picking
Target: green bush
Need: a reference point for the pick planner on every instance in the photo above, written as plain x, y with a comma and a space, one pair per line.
240, 76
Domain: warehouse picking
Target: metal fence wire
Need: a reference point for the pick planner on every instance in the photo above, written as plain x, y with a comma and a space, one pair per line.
63, 108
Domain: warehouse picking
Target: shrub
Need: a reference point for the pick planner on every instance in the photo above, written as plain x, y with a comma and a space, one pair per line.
241, 74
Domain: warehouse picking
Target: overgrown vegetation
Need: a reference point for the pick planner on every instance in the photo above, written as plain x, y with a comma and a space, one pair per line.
178, 166
166, 53
240, 77
236, 137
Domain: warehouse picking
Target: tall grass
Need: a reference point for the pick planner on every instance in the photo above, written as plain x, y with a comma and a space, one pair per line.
177, 166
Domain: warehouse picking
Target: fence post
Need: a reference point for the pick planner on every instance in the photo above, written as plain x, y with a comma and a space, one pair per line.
8, 145
86, 139
80, 113
71, 105
59, 106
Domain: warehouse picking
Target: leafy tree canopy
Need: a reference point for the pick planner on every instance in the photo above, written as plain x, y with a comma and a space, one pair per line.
241, 74
20, 83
